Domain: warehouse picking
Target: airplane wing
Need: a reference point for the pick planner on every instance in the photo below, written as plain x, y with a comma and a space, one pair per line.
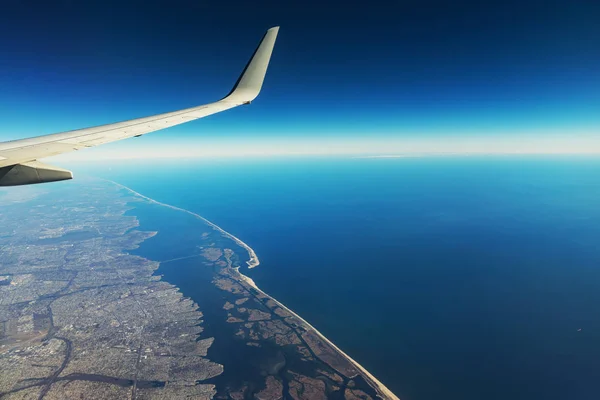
18, 158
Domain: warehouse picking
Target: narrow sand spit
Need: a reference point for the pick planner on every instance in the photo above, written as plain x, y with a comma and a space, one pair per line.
253, 262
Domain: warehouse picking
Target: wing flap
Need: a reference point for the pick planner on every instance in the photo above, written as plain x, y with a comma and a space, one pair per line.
32, 173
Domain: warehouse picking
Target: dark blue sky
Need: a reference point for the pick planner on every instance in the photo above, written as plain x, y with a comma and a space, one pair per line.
340, 70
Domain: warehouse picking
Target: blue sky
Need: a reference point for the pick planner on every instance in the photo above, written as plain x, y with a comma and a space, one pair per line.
370, 77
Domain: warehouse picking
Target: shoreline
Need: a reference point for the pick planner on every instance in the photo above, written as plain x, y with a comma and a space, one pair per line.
254, 262
380, 387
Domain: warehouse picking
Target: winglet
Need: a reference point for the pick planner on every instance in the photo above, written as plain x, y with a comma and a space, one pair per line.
250, 81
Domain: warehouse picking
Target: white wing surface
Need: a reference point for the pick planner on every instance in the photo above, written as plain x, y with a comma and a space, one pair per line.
18, 158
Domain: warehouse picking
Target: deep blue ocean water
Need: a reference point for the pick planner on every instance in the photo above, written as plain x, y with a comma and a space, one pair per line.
455, 278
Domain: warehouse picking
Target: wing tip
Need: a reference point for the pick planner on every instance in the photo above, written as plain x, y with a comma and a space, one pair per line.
249, 83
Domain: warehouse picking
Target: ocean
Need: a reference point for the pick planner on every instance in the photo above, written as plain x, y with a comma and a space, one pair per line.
457, 278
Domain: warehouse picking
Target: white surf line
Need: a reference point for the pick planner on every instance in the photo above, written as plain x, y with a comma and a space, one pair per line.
252, 262
383, 390
380, 386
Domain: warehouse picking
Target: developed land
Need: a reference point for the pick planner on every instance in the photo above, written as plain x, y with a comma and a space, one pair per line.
81, 318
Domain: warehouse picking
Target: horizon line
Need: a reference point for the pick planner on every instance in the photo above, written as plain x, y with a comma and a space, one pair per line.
322, 155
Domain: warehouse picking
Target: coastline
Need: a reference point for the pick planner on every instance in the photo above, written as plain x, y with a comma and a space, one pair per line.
253, 262
380, 387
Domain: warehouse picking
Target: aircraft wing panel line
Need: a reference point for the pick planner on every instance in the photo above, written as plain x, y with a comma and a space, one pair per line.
75, 136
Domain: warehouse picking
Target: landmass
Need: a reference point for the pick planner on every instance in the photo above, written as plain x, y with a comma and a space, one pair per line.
83, 316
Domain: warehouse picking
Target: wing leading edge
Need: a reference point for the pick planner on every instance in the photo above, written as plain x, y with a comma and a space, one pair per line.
19, 156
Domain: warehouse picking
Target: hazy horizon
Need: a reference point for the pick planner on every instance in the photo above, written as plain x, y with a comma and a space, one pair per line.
391, 79
206, 147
